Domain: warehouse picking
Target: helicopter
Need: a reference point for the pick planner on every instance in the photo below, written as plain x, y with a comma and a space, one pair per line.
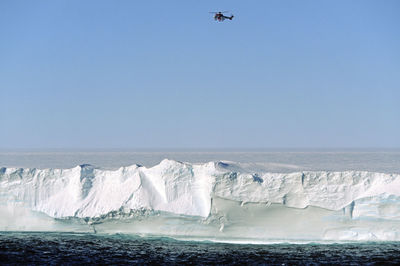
219, 16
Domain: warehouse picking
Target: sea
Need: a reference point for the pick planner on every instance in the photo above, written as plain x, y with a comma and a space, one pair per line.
72, 248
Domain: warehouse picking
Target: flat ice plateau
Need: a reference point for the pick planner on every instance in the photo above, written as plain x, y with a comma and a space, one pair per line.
217, 201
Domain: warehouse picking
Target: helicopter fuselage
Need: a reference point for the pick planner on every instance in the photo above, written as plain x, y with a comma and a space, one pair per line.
222, 17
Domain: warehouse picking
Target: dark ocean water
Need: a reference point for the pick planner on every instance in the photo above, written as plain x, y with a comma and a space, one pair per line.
73, 249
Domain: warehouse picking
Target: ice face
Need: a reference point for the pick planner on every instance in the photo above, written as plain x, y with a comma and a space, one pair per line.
217, 199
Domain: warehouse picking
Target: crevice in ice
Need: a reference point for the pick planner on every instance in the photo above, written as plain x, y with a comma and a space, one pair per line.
86, 178
351, 209
257, 178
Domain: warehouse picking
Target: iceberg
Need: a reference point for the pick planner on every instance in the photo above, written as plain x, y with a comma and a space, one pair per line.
216, 201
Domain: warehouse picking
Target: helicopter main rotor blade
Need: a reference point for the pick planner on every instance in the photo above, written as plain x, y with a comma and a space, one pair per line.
213, 12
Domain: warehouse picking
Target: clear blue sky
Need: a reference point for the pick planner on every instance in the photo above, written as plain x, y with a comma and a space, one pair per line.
164, 74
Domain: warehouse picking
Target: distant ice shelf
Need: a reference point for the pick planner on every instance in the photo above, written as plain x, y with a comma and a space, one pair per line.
213, 201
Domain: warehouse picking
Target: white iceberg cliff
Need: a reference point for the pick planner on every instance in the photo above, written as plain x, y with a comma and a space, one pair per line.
207, 201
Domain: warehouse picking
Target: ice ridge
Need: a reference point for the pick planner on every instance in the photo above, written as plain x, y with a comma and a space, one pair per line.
188, 189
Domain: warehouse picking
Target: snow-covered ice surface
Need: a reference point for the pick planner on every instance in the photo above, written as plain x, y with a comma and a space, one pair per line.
251, 197
279, 160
